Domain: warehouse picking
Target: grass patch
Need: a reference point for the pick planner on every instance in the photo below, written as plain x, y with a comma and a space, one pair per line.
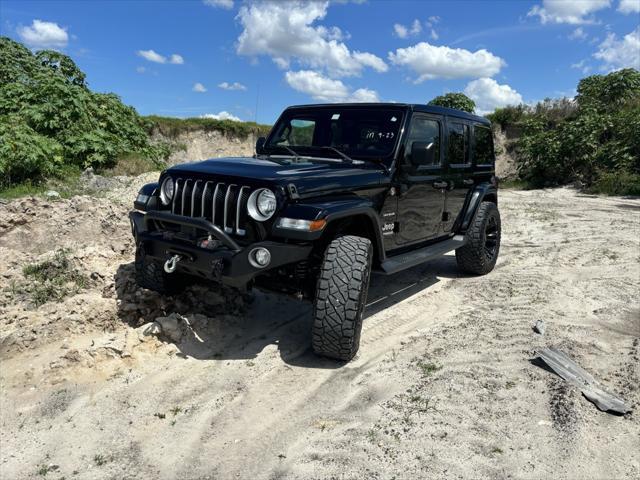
616, 183
99, 459
172, 127
53, 279
67, 183
22, 190
132, 165
427, 368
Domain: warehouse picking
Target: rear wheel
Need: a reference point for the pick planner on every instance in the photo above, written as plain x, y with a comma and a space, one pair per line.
341, 295
150, 274
480, 253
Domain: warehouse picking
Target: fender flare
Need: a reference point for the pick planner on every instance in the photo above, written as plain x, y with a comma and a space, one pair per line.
332, 212
478, 195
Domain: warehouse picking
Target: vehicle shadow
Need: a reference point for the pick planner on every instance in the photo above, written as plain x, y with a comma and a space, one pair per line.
225, 324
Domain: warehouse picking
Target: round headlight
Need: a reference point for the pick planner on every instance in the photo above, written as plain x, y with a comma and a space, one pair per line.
261, 204
166, 191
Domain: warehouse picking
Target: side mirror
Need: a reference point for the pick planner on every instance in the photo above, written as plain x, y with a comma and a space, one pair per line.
260, 144
423, 153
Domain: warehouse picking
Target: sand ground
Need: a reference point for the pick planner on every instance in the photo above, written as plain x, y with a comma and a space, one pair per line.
443, 386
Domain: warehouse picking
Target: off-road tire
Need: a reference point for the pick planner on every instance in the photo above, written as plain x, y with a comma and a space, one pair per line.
150, 274
479, 255
341, 295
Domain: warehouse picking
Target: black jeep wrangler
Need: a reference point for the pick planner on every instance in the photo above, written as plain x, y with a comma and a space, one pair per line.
334, 192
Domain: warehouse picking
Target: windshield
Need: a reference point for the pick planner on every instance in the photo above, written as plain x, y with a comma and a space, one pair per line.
357, 132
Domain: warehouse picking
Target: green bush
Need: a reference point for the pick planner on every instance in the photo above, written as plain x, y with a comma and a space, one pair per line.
50, 119
456, 100
593, 139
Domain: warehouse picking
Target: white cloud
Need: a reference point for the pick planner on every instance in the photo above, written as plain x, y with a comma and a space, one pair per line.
223, 115
578, 34
629, 6
285, 31
618, 54
141, 69
155, 57
152, 56
582, 66
403, 32
400, 30
231, 86
429, 62
489, 95
198, 87
226, 4
326, 89
567, 11
44, 35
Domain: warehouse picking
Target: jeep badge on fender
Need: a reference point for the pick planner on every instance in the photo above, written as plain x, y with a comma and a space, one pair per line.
304, 215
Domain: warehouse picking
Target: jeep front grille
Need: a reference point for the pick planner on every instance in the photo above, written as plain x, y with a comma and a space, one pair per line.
224, 205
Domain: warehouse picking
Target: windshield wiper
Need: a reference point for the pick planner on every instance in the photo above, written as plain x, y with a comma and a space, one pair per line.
344, 156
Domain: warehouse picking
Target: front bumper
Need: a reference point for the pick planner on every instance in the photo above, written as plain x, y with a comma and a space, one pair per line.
227, 263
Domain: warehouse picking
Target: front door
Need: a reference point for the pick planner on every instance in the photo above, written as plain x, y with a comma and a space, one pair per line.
421, 188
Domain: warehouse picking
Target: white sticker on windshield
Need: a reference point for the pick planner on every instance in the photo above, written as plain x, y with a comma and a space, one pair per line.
335, 116
393, 119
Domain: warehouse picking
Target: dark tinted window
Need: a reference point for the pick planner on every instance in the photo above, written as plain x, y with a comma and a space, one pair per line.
425, 130
458, 149
483, 151
355, 131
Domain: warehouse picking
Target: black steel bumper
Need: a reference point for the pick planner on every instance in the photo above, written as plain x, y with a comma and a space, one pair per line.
228, 263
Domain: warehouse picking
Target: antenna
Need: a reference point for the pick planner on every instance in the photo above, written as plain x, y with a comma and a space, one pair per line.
257, 99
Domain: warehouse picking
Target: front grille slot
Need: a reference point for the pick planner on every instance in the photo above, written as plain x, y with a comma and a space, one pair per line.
224, 205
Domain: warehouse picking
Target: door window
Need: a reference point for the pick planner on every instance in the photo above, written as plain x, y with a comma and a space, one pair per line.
425, 130
458, 148
483, 145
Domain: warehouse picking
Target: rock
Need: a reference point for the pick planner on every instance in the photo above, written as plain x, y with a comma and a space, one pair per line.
171, 326
539, 327
51, 194
147, 330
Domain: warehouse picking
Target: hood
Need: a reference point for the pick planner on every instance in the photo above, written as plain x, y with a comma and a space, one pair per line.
309, 178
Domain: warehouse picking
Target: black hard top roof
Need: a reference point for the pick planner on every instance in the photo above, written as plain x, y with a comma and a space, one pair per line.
416, 107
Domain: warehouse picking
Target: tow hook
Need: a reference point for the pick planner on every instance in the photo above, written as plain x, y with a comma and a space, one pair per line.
170, 265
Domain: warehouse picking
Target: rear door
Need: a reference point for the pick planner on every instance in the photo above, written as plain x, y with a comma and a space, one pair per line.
421, 189
459, 171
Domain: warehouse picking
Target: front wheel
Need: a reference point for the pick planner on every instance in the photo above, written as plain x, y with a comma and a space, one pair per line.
479, 255
341, 295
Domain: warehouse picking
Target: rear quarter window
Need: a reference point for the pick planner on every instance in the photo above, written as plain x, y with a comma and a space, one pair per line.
483, 145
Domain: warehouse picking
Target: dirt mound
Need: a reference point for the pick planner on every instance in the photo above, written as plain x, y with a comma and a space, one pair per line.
67, 269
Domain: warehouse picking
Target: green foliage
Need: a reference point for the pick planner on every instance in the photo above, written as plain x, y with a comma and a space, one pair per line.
593, 139
456, 100
53, 279
172, 127
50, 119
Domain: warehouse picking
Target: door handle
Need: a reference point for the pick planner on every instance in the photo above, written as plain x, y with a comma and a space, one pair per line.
440, 184
468, 181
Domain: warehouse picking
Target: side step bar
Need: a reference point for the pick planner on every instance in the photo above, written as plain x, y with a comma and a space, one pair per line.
411, 259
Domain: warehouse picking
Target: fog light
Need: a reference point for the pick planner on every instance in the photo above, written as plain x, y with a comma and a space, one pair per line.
259, 257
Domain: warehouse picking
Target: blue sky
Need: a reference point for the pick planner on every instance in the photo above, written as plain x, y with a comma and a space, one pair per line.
226, 57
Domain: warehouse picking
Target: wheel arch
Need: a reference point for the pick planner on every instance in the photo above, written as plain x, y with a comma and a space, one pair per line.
482, 193
359, 223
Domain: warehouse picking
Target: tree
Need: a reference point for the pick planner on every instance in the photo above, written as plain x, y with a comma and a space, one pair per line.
456, 100
50, 120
